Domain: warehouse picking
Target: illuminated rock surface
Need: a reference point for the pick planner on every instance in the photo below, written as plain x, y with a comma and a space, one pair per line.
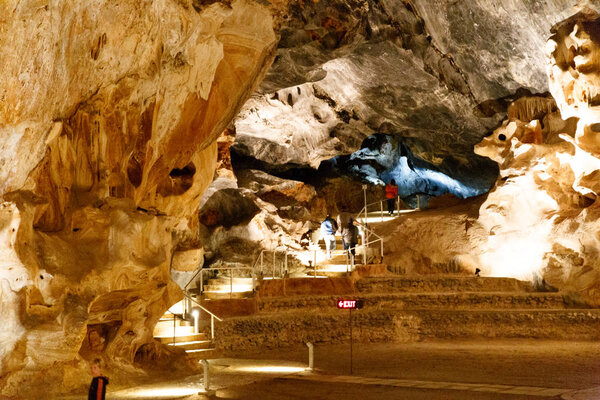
108, 122
440, 75
109, 119
542, 215
540, 220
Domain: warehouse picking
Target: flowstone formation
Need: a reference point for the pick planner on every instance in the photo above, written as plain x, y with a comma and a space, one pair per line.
540, 221
108, 122
543, 214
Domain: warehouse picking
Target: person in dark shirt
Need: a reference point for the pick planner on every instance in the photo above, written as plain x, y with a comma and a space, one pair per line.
98, 386
350, 236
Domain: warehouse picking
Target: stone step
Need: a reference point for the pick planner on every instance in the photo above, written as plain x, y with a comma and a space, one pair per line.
224, 280
192, 344
181, 336
205, 354
292, 328
167, 323
216, 295
217, 288
424, 301
339, 258
441, 283
167, 331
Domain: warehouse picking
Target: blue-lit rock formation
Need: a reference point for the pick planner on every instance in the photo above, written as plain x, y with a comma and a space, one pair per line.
439, 74
386, 157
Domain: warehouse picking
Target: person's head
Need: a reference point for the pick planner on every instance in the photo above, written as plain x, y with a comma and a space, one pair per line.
96, 367
328, 216
393, 182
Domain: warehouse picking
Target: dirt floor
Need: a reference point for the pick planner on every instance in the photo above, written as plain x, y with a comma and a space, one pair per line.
515, 369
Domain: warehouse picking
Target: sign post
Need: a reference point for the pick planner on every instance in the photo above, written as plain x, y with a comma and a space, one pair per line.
350, 305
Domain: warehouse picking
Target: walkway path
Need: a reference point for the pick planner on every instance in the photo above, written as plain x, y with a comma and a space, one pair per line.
440, 370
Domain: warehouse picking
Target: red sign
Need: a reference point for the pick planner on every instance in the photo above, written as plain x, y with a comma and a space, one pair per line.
349, 304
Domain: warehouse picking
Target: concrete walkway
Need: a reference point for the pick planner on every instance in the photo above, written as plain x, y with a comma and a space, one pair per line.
447, 370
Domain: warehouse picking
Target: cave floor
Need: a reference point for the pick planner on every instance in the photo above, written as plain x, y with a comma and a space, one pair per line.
507, 369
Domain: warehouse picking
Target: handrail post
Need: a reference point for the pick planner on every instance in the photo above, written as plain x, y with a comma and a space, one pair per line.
315, 263
365, 249
398, 206
286, 262
364, 186
381, 242
212, 327
381, 210
347, 259
201, 282
418, 202
311, 356
173, 329
231, 283
262, 256
207, 390
274, 262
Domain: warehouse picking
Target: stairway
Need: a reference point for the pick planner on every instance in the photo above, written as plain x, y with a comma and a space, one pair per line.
172, 330
415, 308
222, 287
338, 265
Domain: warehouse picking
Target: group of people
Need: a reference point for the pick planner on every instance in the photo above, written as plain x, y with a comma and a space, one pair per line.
348, 230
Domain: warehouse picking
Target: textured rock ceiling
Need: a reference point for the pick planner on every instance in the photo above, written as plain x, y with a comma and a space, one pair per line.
440, 74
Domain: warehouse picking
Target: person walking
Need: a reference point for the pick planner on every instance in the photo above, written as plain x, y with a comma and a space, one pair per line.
349, 233
391, 192
328, 229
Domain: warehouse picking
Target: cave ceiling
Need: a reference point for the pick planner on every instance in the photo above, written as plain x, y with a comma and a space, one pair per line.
438, 73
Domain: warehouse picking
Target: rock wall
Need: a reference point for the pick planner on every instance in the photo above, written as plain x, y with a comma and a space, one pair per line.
540, 221
542, 215
109, 117
439, 74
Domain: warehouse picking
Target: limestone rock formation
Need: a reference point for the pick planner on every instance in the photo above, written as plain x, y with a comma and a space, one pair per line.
540, 221
108, 122
548, 188
438, 74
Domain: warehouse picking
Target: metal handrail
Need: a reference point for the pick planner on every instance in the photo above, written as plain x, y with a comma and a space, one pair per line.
213, 316
190, 298
283, 267
365, 210
252, 275
362, 210
366, 236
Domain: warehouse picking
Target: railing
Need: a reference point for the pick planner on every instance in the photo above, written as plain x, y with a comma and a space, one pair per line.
349, 259
261, 265
378, 206
188, 300
367, 240
187, 310
231, 271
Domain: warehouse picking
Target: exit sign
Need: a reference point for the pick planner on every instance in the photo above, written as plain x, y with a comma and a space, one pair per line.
350, 304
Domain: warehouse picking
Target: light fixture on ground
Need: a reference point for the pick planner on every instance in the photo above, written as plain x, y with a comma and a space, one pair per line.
195, 312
